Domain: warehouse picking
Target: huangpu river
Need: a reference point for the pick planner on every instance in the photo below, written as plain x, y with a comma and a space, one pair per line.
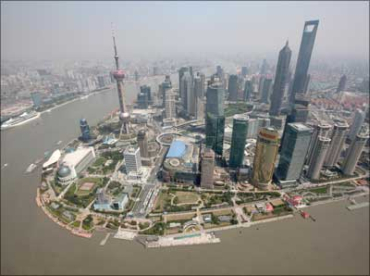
337, 243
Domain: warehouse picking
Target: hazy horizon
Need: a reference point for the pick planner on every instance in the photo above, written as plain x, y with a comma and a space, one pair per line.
82, 30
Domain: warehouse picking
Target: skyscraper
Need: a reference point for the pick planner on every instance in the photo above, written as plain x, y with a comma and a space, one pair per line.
142, 141
215, 119
169, 105
187, 96
293, 153
336, 146
321, 130
101, 81
85, 130
266, 89
207, 166
264, 67
233, 88
163, 87
354, 153
304, 57
198, 97
342, 84
239, 135
119, 75
248, 90
281, 79
132, 160
358, 120
181, 74
307, 83
244, 71
320, 151
265, 157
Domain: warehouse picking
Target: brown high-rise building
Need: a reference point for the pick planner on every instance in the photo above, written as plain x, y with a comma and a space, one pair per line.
265, 157
142, 140
208, 165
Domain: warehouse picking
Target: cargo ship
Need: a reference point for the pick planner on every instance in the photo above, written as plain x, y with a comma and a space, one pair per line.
22, 119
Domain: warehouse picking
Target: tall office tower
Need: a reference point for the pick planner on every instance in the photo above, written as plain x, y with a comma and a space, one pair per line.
264, 67
215, 119
321, 130
163, 87
252, 128
239, 135
307, 83
260, 85
342, 84
101, 81
132, 159
304, 57
208, 165
203, 85
221, 75
85, 130
356, 124
186, 88
281, 80
142, 141
293, 153
354, 154
233, 88
337, 140
265, 157
181, 74
146, 90
198, 97
169, 105
142, 100
137, 76
244, 71
36, 99
266, 89
119, 75
320, 151
248, 90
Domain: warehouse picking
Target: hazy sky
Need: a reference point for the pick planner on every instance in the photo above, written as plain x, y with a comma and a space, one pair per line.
69, 30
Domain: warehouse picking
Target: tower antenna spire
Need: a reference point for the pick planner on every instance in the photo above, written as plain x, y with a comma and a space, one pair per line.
115, 47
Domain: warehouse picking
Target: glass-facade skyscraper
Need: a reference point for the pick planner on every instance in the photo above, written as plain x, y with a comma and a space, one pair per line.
293, 152
281, 80
215, 119
239, 135
233, 88
304, 57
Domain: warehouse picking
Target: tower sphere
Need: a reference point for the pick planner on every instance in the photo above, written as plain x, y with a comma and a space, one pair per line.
125, 117
119, 74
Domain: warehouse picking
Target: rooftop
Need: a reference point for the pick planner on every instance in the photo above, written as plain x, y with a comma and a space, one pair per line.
177, 149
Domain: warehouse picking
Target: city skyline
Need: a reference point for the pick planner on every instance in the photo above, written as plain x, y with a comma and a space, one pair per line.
84, 30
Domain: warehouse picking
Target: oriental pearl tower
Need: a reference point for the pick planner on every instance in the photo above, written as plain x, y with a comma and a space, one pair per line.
119, 75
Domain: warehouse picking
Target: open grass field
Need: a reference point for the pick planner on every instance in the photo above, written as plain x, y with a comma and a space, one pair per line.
227, 212
186, 197
177, 217
161, 200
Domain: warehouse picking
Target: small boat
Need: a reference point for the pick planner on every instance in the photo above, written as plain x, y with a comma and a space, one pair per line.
5, 165
59, 142
30, 168
305, 215
49, 110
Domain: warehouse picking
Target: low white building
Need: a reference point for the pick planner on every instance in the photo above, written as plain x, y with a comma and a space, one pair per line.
79, 159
